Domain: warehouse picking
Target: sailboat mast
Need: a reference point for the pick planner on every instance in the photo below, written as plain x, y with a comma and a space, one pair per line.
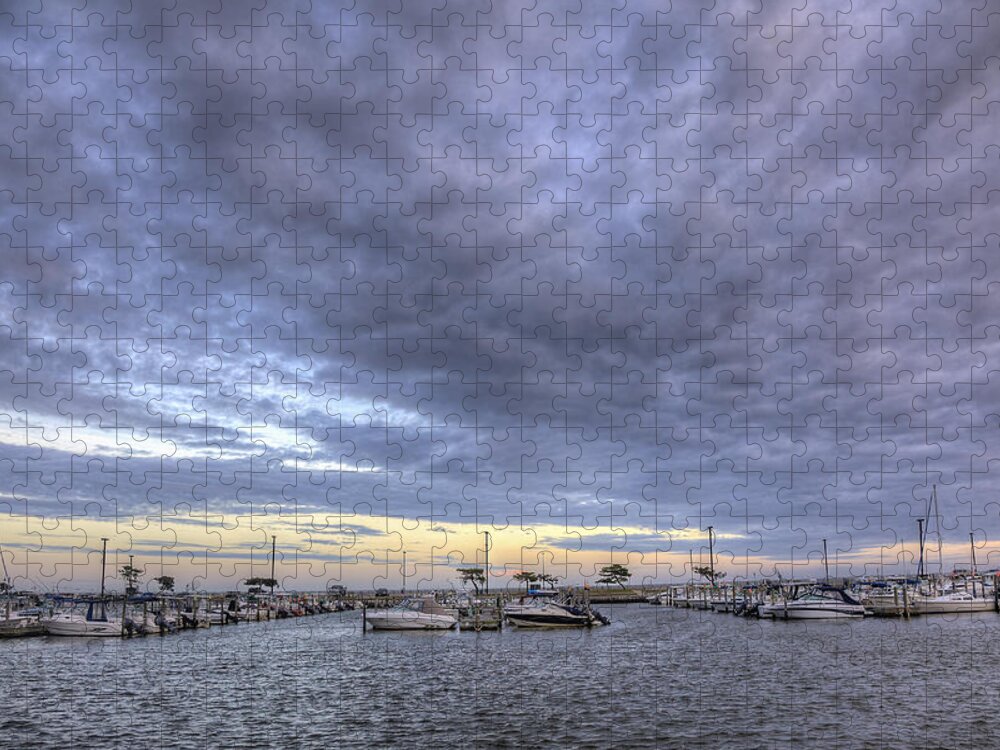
104, 557
826, 562
711, 556
937, 524
920, 539
6, 575
972, 545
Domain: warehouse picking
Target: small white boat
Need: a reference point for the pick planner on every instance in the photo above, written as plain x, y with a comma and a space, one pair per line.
662, 598
248, 614
94, 623
419, 613
220, 616
156, 621
819, 603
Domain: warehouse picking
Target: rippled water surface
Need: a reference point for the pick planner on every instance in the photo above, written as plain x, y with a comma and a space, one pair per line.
655, 678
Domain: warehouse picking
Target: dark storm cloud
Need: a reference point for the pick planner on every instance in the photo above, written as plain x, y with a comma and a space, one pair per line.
729, 268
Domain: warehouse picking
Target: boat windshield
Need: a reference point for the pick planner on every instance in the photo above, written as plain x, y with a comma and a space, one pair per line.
825, 593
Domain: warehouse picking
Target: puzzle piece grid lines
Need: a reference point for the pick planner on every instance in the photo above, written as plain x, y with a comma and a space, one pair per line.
594, 276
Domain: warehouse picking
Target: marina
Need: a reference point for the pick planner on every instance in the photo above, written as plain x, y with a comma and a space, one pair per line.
27, 614
676, 677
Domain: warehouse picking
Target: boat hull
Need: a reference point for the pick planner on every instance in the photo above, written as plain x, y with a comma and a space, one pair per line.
527, 621
780, 612
389, 620
91, 629
950, 607
887, 606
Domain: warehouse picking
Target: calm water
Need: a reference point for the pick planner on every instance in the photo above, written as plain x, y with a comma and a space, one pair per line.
656, 677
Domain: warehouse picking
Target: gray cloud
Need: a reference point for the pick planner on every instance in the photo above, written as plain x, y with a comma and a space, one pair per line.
731, 268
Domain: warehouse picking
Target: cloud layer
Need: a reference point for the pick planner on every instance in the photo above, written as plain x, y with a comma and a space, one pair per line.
610, 267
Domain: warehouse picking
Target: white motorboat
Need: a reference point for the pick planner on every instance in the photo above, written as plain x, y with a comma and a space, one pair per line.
955, 602
819, 603
418, 613
94, 623
537, 612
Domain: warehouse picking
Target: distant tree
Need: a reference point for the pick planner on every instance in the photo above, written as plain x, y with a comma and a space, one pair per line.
527, 578
475, 576
131, 576
551, 580
706, 572
5, 586
166, 583
614, 575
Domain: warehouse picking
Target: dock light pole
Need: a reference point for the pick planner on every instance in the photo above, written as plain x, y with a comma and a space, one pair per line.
826, 562
920, 560
404, 571
104, 557
486, 546
273, 547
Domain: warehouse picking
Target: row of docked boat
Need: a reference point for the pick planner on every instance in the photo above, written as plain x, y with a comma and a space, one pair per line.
82, 617
146, 615
797, 601
818, 602
928, 598
538, 609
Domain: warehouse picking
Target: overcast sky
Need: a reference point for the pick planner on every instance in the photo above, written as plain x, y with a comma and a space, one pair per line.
608, 277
